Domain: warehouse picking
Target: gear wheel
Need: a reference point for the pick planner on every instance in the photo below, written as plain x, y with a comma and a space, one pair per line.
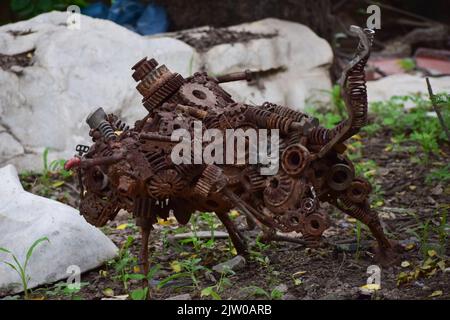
156, 84
252, 180
165, 184
198, 95
143, 67
278, 189
208, 181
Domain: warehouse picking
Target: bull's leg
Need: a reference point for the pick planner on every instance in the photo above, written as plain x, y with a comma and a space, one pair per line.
236, 236
385, 254
143, 257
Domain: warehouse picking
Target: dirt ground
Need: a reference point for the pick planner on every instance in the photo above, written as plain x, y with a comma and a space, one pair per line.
411, 211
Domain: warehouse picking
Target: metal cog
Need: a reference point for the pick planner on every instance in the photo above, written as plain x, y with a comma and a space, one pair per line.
198, 95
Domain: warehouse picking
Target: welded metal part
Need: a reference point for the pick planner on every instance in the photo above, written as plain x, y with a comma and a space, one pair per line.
132, 168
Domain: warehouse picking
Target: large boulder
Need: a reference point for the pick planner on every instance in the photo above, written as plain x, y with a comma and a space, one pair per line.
25, 218
281, 44
72, 72
44, 102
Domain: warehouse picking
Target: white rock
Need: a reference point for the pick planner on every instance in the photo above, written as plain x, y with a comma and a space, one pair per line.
9, 147
73, 72
404, 84
25, 217
296, 47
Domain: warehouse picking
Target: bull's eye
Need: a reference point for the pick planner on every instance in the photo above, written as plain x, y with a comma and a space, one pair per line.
98, 175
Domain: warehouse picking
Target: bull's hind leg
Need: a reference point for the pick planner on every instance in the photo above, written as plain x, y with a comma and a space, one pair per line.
236, 236
385, 253
144, 219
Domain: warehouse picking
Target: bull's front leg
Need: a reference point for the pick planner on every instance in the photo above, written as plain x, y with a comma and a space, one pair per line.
387, 251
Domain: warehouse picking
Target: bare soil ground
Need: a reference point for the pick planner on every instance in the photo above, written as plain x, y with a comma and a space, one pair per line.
412, 212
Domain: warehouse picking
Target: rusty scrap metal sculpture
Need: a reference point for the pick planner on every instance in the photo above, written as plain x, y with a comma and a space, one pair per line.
131, 168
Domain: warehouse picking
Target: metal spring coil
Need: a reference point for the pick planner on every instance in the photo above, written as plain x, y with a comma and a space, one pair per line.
107, 130
121, 125
285, 111
266, 119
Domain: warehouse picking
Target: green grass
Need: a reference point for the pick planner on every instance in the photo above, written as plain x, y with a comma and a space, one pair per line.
21, 268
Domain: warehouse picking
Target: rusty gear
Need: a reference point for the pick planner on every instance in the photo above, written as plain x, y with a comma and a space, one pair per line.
198, 95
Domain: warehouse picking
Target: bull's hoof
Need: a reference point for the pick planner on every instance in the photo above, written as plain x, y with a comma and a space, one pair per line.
387, 257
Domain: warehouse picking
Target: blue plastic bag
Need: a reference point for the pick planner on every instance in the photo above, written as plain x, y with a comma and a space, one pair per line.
153, 20
132, 14
96, 10
126, 12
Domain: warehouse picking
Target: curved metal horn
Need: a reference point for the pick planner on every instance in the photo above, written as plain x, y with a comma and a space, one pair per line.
354, 94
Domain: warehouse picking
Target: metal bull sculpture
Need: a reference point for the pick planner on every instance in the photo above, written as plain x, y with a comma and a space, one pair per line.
132, 169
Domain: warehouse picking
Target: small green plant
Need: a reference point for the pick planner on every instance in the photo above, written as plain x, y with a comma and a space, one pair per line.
21, 268
215, 290
257, 255
256, 291
439, 175
67, 290
124, 263
142, 293
211, 221
417, 124
190, 267
29, 8
407, 64
371, 129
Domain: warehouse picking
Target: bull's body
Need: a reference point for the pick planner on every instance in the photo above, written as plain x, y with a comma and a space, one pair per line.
132, 168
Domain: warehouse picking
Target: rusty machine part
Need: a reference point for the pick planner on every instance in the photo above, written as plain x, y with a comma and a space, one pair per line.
131, 168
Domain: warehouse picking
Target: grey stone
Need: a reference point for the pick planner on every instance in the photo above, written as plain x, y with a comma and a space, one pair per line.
235, 264
185, 296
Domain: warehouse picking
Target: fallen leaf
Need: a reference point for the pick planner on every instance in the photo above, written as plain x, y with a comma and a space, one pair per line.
370, 173
371, 286
432, 272
103, 273
298, 281
234, 214
57, 184
136, 269
353, 220
441, 265
412, 187
122, 226
409, 246
176, 266
108, 292
402, 277
405, 264
431, 253
379, 203
299, 273
436, 293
